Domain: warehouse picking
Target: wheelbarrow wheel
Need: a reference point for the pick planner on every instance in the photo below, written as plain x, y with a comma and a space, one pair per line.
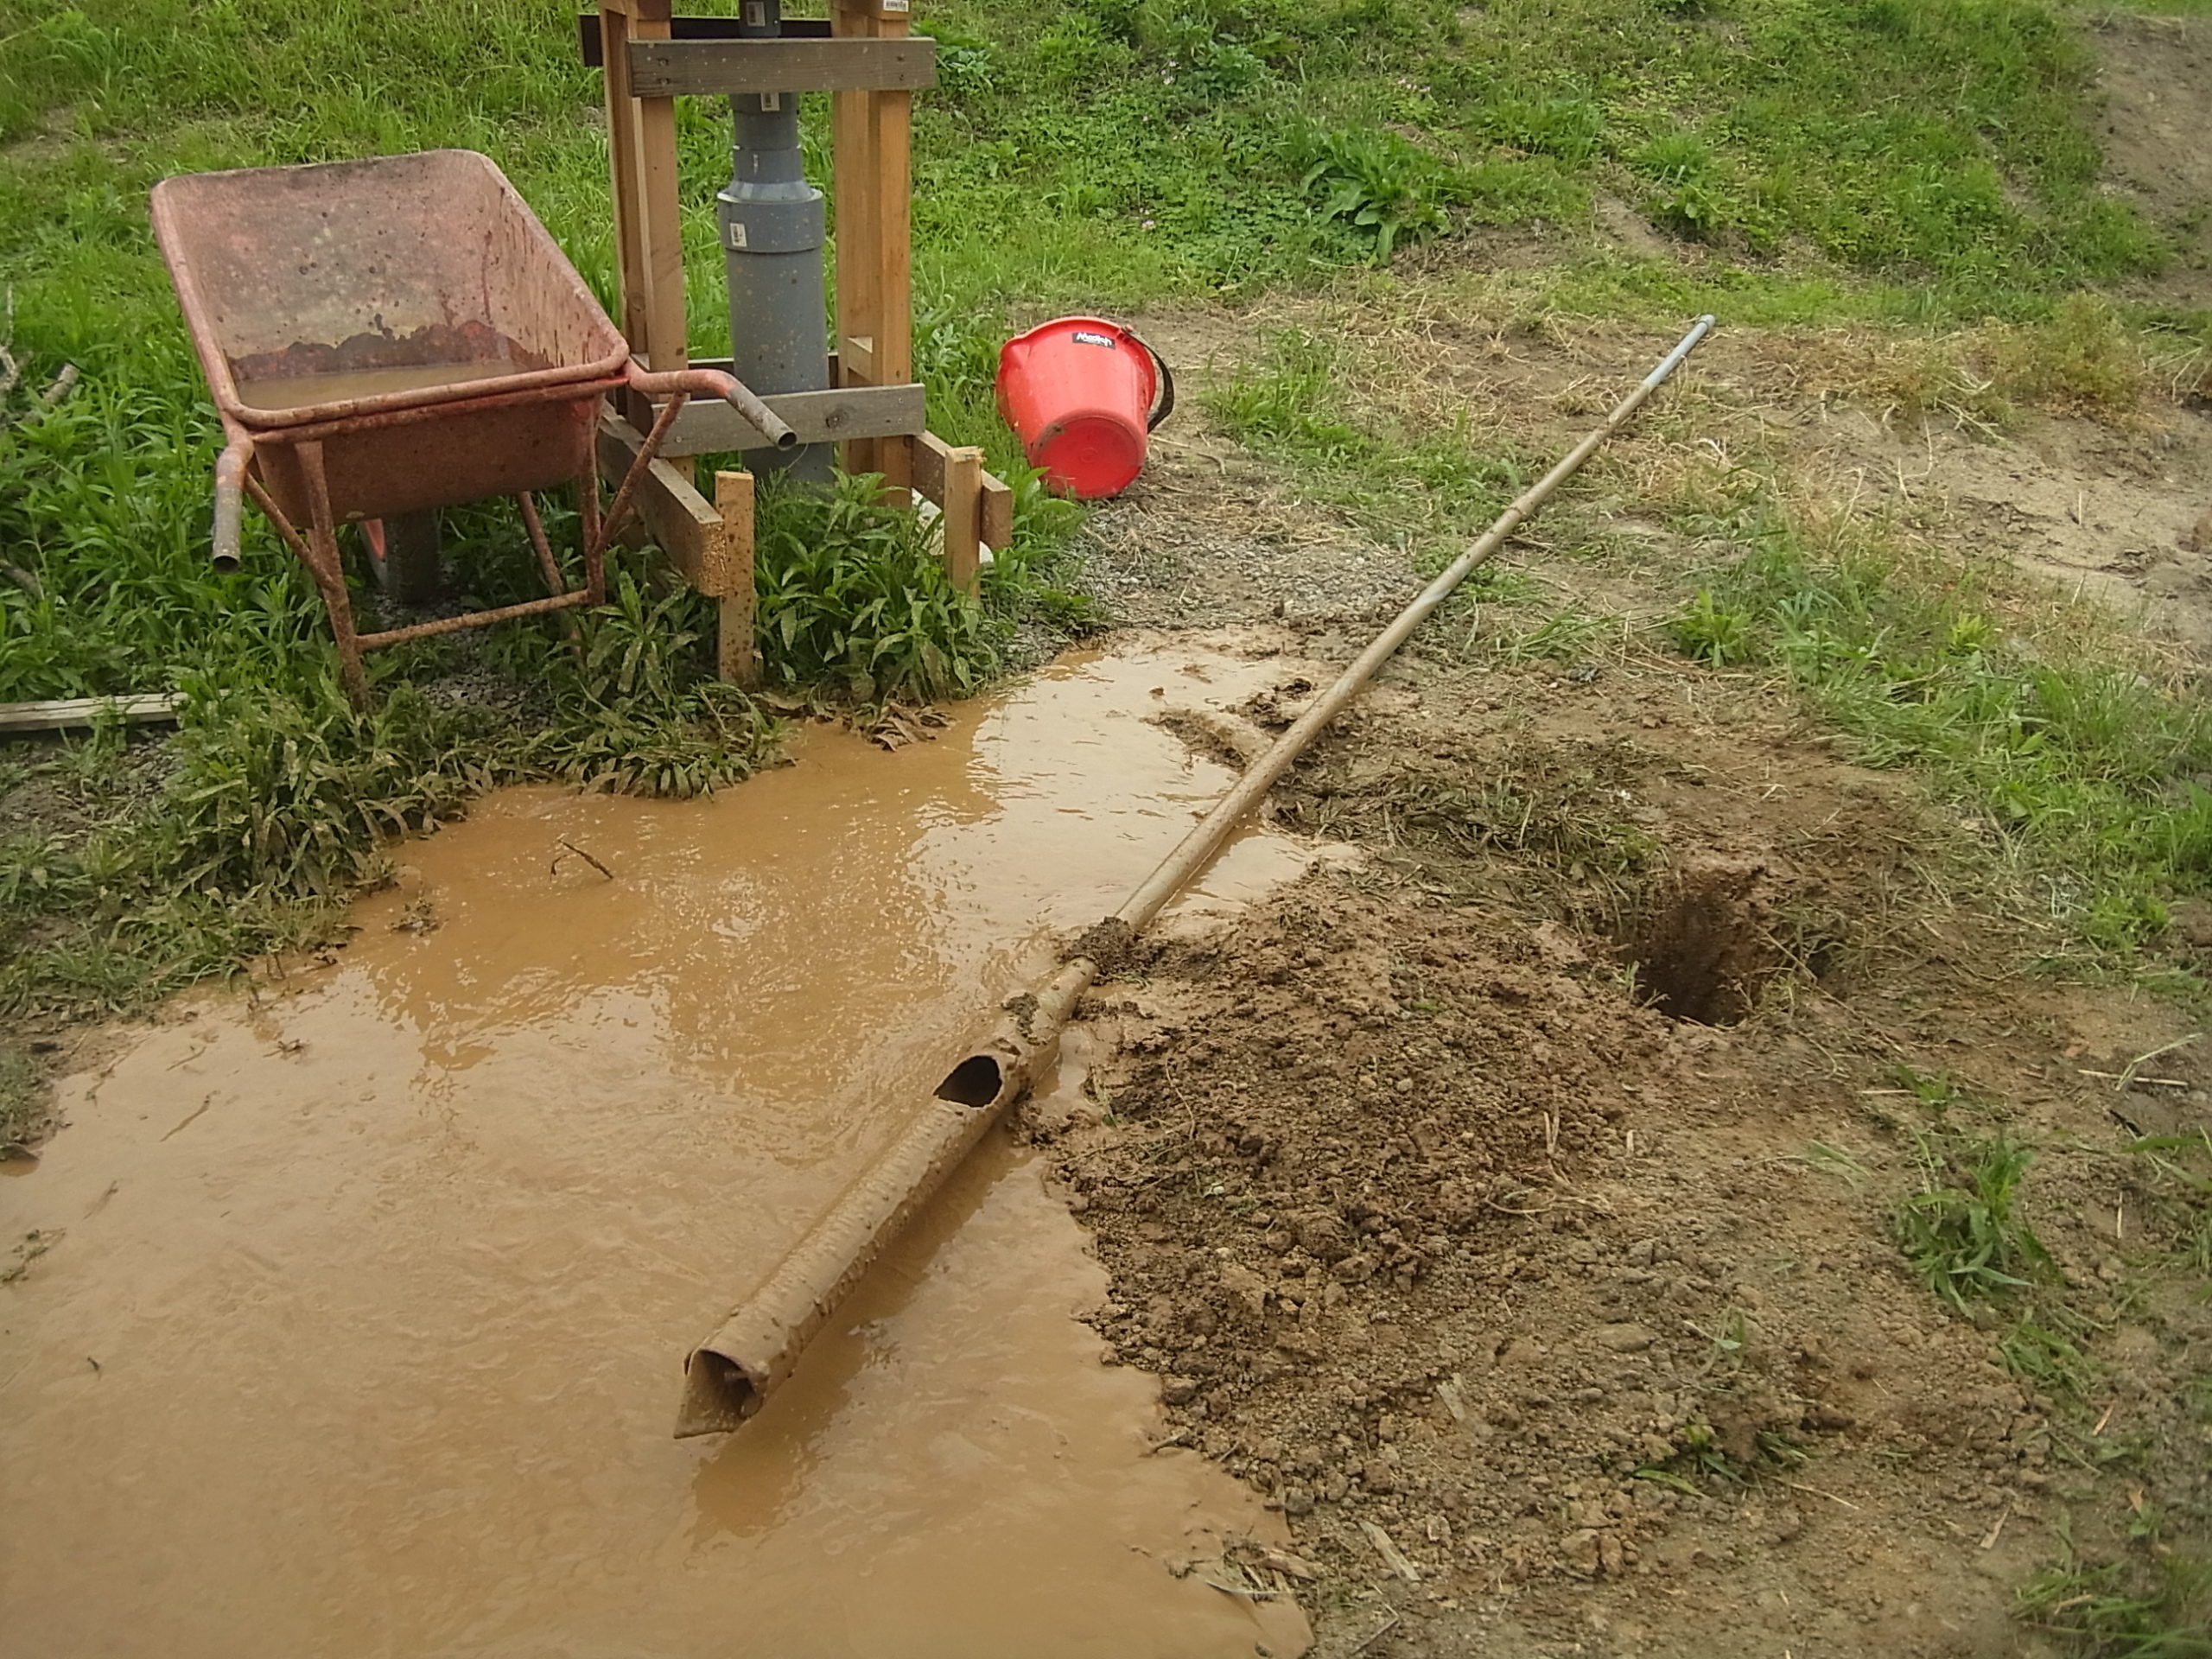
409, 572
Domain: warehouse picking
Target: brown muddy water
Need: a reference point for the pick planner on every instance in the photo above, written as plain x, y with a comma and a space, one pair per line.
360, 1327
346, 385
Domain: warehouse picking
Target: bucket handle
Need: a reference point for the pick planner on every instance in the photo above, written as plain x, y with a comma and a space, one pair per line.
1165, 406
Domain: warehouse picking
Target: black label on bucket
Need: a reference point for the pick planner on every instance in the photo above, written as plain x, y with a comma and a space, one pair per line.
1085, 337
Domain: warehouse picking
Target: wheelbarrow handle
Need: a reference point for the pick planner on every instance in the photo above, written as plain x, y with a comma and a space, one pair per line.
713, 383
229, 501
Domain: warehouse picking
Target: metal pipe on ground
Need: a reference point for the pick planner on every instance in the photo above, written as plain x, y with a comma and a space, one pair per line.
729, 1377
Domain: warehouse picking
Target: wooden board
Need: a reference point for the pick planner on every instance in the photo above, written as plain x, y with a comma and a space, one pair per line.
852, 144
995, 499
992, 517
622, 153
685, 524
707, 427
57, 712
675, 68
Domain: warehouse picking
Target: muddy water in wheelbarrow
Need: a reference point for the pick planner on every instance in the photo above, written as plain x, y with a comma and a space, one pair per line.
359, 1325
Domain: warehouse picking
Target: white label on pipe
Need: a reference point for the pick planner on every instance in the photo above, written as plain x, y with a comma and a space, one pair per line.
736, 234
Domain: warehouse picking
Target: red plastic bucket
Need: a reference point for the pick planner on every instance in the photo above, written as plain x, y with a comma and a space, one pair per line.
1082, 393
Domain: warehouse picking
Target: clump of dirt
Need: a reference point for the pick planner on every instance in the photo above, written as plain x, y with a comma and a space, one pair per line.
1111, 943
1514, 1212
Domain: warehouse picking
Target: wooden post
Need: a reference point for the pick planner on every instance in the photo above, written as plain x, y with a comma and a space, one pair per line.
623, 157
852, 147
963, 485
871, 140
649, 229
738, 654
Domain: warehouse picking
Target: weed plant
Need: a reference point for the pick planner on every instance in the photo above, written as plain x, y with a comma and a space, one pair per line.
1961, 1228
853, 594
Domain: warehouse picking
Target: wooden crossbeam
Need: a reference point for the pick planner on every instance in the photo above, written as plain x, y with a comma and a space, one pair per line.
675, 68
706, 427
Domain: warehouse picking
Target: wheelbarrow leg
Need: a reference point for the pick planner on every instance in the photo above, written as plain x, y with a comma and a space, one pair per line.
595, 553
640, 464
554, 583
330, 573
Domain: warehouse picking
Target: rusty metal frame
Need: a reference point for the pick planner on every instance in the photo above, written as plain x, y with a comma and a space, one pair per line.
317, 548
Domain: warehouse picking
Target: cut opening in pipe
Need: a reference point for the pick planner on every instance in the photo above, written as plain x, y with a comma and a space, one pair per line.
974, 1081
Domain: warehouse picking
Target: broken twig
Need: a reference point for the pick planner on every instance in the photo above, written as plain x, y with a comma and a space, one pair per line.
568, 847
1395, 1558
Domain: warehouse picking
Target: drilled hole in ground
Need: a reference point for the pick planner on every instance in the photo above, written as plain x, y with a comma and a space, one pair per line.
1703, 950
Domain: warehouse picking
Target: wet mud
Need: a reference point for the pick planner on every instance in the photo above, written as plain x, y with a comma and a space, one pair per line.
358, 1327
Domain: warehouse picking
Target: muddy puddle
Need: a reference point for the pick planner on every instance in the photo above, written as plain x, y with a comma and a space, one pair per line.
359, 1325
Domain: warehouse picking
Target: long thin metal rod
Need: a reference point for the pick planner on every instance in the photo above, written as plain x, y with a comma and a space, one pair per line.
727, 1377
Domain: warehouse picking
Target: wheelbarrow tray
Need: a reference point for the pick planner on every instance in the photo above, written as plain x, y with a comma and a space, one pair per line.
379, 274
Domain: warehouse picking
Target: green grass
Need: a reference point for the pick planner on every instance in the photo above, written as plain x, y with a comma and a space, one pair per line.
2159, 1609
1962, 1230
1417, 487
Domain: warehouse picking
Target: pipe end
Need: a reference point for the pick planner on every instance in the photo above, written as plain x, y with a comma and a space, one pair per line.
718, 1395
787, 439
226, 563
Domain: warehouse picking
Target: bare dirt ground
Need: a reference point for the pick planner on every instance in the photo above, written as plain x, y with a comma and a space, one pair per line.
2153, 72
1516, 1208
1441, 1231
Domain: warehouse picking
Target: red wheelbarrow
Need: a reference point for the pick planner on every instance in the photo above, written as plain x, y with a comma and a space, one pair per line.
393, 336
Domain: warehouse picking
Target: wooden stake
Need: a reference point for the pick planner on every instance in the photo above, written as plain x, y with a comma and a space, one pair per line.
738, 655
667, 330
964, 484
894, 352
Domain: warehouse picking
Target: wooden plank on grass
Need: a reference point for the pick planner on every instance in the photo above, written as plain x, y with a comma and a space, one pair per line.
677, 68
55, 713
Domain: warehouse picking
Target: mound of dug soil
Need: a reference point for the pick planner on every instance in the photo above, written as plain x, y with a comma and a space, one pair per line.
1515, 1210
